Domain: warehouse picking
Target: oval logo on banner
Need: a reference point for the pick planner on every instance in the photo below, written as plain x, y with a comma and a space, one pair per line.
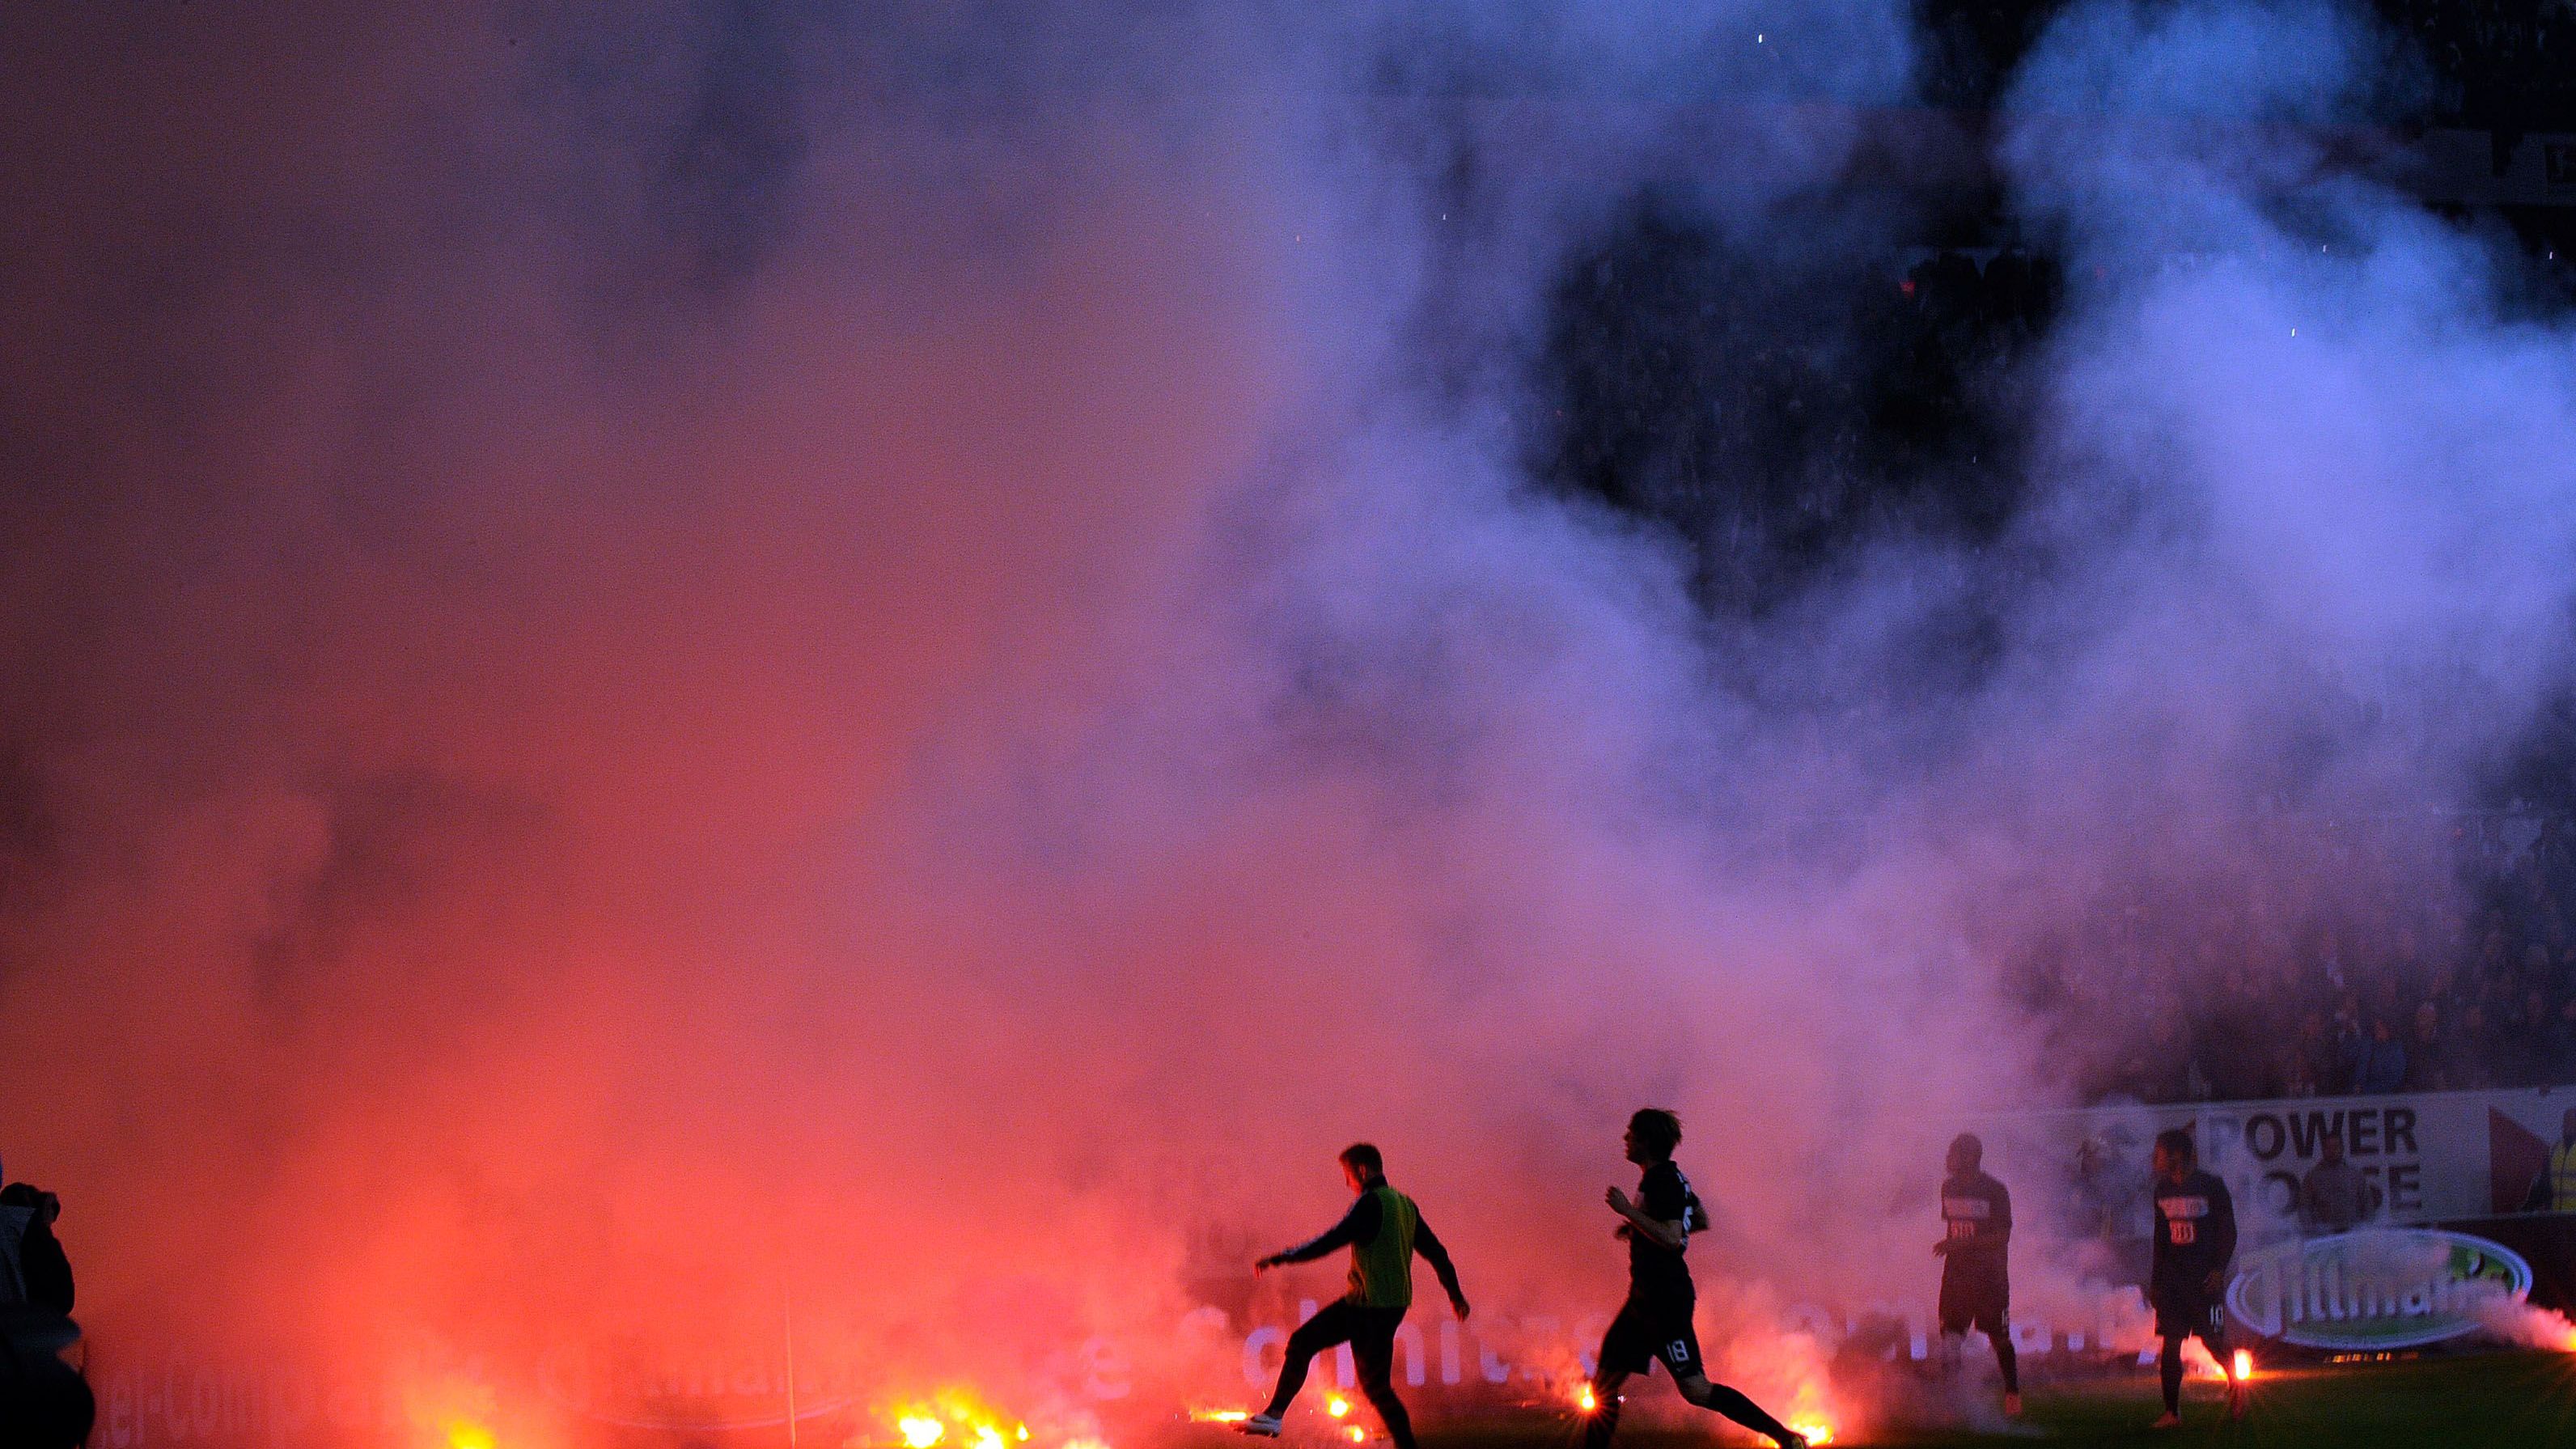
2377, 1288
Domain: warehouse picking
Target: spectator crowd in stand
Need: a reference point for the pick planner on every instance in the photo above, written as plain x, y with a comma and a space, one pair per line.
1704, 399
2266, 995
1772, 409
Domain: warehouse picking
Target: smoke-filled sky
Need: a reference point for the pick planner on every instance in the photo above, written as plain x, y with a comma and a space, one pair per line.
681, 652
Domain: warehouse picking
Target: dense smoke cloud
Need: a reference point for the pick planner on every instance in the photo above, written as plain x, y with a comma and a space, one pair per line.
753, 653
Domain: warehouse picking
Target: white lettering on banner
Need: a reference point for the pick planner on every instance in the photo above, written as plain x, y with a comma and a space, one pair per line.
1408, 1341
1106, 1370
2380, 1288
1255, 1345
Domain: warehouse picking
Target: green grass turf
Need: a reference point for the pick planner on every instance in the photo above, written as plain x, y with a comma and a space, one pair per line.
2490, 1401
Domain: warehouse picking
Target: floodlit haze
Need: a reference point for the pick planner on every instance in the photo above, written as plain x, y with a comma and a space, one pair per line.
666, 658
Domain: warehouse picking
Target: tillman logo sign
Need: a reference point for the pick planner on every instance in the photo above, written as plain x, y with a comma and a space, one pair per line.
2376, 1289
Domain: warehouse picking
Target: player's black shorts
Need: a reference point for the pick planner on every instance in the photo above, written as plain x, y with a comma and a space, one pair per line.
1645, 1332
2193, 1315
1975, 1300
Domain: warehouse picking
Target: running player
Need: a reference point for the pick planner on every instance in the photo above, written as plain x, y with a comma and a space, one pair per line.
2195, 1241
1655, 1322
1976, 1291
1383, 1230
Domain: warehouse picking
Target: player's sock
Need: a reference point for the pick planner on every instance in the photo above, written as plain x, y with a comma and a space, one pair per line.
1734, 1405
2169, 1368
2009, 1362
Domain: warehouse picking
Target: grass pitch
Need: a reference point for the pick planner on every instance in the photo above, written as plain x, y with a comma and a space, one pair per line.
2503, 1400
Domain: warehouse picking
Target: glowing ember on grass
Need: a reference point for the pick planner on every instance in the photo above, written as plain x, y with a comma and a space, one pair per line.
1358, 1434
1337, 1406
1585, 1400
2244, 1365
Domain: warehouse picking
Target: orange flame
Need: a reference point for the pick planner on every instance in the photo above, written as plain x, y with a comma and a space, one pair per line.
1815, 1431
2200, 1364
1586, 1401
922, 1426
1337, 1406
2244, 1365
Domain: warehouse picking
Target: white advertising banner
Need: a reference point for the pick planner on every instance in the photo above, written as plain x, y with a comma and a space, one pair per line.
2433, 1156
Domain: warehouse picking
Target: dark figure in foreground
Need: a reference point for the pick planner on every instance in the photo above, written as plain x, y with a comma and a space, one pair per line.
1655, 1323
1383, 1230
44, 1402
2195, 1241
1976, 1290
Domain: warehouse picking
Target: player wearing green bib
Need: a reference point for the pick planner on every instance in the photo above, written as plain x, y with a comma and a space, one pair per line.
1383, 1230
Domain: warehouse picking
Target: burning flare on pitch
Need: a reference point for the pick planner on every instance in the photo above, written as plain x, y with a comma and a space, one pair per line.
955, 1419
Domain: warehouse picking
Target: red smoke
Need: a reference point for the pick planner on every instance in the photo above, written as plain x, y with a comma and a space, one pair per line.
643, 703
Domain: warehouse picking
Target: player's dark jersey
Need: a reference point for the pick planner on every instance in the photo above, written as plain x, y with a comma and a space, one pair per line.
2195, 1233
1657, 1273
1976, 1218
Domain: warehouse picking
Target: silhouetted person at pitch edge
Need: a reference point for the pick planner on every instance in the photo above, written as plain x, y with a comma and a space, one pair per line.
1976, 1289
2554, 1190
44, 1403
1383, 1230
2195, 1241
2335, 1197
